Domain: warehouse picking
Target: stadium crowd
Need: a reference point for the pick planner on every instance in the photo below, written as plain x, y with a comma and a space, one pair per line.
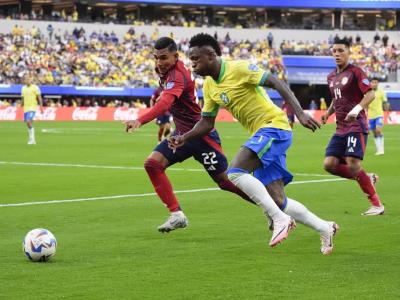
100, 59
378, 58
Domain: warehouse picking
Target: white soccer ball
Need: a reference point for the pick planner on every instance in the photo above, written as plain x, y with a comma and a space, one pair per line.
39, 245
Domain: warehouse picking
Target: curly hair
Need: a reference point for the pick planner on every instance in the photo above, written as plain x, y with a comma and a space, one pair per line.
204, 39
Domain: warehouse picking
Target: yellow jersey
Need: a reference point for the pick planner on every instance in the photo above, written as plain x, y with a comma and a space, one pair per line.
239, 90
375, 108
29, 97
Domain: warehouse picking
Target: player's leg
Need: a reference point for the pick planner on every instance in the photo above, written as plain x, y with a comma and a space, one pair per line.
366, 184
208, 151
379, 139
167, 130
28, 118
295, 209
160, 132
252, 156
333, 162
160, 159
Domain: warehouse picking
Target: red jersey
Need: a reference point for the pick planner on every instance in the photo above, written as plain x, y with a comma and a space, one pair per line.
348, 88
157, 93
185, 110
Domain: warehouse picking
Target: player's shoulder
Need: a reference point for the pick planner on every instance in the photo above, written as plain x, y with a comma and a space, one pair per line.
355, 69
178, 72
331, 74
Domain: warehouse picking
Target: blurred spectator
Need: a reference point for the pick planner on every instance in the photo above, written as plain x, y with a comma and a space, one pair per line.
322, 104
313, 105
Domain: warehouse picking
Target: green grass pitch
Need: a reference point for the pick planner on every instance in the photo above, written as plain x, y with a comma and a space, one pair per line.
109, 248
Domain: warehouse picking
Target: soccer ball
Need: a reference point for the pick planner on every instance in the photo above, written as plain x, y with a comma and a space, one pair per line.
39, 245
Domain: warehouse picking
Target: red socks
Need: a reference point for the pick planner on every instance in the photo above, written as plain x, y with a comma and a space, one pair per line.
366, 185
342, 170
363, 180
227, 185
161, 184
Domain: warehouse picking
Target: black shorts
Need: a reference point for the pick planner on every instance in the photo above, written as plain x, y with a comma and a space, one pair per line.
352, 144
206, 150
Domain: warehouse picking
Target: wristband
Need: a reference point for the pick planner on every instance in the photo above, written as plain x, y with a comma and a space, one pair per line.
356, 110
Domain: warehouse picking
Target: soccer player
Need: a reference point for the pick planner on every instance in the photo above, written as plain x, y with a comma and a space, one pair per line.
237, 85
163, 121
31, 96
178, 96
351, 94
375, 115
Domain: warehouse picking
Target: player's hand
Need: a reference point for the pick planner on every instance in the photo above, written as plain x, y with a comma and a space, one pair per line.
175, 142
352, 115
324, 118
131, 126
309, 122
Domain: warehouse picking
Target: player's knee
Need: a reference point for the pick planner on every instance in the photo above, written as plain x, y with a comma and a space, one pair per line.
235, 173
151, 165
329, 166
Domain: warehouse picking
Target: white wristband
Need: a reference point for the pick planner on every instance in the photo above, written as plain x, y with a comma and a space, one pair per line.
356, 110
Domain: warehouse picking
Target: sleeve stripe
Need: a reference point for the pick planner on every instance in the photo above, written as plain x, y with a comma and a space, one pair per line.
263, 78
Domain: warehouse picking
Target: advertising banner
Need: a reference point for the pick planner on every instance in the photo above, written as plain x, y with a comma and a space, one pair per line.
10, 113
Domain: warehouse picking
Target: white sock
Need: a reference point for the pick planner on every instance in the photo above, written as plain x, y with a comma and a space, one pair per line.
301, 214
257, 192
381, 144
31, 133
377, 143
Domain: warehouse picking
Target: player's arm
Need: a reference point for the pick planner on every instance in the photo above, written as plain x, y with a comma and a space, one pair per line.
285, 92
329, 112
201, 128
386, 104
159, 108
365, 101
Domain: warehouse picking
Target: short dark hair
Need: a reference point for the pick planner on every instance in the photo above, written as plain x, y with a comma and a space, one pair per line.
375, 78
343, 42
204, 39
165, 42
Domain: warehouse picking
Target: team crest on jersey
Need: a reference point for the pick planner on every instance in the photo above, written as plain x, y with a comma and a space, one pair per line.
253, 67
365, 81
345, 80
224, 98
169, 85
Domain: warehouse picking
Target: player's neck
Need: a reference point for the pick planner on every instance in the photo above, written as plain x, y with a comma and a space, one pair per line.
341, 68
217, 69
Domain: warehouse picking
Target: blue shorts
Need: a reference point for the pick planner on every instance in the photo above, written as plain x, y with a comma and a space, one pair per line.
377, 122
163, 119
270, 145
206, 150
352, 144
29, 115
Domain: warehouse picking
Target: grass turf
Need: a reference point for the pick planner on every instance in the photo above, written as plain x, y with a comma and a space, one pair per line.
110, 248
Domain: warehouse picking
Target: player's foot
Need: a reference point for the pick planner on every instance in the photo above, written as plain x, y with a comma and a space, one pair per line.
379, 153
374, 178
31, 142
176, 220
282, 230
374, 211
327, 238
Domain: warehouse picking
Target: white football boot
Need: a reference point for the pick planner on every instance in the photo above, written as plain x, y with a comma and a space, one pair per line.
176, 220
374, 211
327, 238
281, 230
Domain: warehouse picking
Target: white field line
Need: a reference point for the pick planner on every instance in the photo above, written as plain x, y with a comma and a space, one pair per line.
143, 195
122, 167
